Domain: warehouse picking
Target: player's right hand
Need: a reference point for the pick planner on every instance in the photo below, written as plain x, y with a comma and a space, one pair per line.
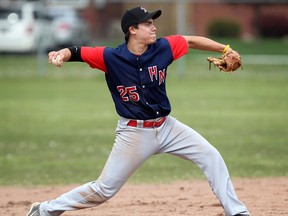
51, 55
56, 58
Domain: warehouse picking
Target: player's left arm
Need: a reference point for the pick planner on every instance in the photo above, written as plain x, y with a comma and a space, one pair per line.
203, 43
229, 61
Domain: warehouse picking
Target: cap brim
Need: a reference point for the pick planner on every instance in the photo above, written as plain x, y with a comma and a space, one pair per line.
154, 15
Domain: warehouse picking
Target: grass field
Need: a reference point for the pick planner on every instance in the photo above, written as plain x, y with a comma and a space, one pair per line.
59, 128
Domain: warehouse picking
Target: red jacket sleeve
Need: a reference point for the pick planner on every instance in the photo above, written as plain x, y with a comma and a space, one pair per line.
94, 56
178, 45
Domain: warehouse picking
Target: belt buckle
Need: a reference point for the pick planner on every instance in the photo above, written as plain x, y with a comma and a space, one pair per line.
140, 123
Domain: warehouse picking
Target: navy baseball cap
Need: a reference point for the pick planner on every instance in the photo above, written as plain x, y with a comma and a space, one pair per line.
137, 15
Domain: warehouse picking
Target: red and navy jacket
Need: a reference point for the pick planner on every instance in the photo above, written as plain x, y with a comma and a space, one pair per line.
138, 82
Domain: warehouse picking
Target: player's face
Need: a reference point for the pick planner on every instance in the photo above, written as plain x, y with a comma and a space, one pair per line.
147, 31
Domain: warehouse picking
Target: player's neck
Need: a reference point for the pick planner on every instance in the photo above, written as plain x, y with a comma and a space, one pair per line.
136, 48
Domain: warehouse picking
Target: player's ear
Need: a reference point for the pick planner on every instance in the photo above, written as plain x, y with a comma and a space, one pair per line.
132, 29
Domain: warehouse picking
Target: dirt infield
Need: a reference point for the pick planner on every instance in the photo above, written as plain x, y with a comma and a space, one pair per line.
263, 197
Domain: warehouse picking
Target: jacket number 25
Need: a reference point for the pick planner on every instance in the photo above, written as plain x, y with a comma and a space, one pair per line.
128, 93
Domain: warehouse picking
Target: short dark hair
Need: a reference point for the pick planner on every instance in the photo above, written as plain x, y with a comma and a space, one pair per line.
127, 35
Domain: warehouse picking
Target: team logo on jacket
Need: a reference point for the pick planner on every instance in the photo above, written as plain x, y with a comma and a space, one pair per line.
157, 74
145, 11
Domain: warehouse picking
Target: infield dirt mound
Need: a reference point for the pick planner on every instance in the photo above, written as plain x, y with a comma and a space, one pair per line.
263, 197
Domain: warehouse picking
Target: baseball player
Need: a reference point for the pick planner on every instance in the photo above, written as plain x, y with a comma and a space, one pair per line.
136, 74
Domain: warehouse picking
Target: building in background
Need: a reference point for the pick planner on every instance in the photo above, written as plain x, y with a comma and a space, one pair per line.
214, 18
250, 19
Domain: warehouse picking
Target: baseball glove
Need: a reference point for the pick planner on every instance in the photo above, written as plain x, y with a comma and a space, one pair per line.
228, 62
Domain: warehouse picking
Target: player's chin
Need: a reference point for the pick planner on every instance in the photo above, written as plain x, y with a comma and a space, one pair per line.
152, 39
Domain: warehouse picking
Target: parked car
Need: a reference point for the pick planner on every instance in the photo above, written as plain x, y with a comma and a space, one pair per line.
68, 28
24, 28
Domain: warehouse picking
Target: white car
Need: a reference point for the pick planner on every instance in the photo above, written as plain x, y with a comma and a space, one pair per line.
68, 28
24, 28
